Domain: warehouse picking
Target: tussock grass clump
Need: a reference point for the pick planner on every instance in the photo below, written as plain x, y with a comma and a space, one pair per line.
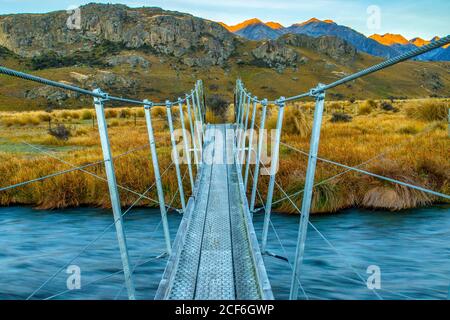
429, 110
124, 113
380, 194
212, 117
159, 112
365, 108
295, 121
87, 115
110, 113
230, 116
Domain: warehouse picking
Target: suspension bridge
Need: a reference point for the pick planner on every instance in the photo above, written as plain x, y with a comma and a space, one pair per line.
216, 254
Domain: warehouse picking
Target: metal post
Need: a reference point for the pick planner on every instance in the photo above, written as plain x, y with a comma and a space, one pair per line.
238, 118
186, 145
194, 143
241, 127
158, 182
197, 123
250, 142
200, 111
175, 158
258, 155
113, 193
273, 169
307, 194
245, 130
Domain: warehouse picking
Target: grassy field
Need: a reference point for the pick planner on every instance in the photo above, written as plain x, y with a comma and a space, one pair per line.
405, 139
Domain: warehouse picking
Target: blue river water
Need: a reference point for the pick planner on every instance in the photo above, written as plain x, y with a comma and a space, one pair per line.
411, 249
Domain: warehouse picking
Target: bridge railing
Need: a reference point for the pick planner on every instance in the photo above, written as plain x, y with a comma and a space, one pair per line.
196, 113
245, 102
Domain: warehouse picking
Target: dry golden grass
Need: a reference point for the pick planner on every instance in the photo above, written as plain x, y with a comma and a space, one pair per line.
20, 162
430, 110
402, 147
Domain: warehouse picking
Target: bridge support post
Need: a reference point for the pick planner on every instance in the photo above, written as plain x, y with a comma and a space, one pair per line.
273, 171
241, 132
113, 193
175, 157
250, 144
158, 182
239, 106
244, 133
191, 125
258, 155
308, 190
186, 145
197, 129
200, 109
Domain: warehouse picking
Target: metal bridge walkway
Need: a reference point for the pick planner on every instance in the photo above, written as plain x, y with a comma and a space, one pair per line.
216, 253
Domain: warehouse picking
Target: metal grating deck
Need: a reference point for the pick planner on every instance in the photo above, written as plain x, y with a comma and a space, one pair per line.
216, 255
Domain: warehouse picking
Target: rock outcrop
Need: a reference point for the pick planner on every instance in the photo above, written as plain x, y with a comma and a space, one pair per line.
132, 60
334, 47
101, 79
162, 32
275, 55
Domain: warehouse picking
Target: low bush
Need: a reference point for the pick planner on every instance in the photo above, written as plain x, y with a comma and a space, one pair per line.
217, 104
387, 106
60, 132
340, 117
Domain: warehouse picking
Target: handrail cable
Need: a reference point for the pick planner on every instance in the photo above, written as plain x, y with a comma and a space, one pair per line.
99, 279
100, 177
89, 244
282, 247
56, 84
382, 154
412, 186
64, 171
325, 239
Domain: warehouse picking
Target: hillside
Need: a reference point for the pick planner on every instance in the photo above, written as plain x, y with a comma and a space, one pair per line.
153, 53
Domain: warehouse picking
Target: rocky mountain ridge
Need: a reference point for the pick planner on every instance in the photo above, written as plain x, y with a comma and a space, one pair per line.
386, 46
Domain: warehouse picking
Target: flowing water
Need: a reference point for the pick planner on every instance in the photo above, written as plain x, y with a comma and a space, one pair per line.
411, 250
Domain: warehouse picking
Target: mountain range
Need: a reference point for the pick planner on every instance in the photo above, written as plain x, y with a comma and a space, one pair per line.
386, 46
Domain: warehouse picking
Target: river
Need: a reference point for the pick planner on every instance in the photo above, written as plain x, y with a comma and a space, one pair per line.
411, 250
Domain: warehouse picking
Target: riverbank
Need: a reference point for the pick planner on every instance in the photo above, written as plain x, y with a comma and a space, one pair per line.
393, 139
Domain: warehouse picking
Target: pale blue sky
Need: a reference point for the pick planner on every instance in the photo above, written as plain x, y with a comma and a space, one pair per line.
411, 18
